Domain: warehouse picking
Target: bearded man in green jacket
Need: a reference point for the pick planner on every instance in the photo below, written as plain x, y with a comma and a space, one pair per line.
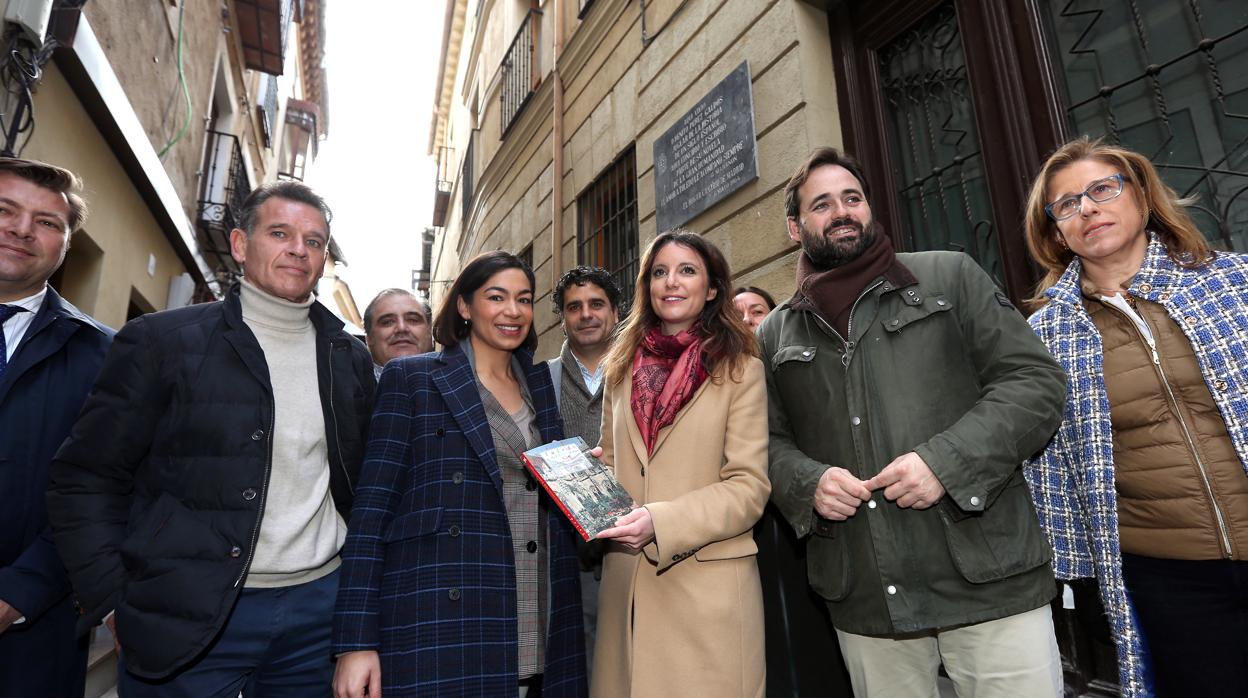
905, 392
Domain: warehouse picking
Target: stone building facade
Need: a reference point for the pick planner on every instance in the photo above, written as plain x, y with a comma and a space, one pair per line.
171, 112
547, 111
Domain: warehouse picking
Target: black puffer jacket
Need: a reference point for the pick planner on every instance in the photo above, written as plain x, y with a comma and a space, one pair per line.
153, 500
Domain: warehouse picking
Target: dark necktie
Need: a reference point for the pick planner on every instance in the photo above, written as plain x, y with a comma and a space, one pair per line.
6, 312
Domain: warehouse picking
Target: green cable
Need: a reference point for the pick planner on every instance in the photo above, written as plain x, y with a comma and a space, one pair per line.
186, 93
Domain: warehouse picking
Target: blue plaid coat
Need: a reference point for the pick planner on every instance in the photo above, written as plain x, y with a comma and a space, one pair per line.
428, 575
1072, 480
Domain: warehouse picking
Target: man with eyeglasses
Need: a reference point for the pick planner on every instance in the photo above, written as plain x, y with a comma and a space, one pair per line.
904, 393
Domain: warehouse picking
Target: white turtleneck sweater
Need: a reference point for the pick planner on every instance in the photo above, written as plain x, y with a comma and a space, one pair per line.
301, 532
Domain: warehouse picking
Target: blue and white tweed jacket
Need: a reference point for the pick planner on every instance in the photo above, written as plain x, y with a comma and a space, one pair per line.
1072, 480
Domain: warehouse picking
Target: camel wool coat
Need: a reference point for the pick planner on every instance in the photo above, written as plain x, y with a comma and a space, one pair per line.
684, 616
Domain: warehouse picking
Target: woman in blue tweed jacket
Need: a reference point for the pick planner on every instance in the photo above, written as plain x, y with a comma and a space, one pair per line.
459, 577
1144, 486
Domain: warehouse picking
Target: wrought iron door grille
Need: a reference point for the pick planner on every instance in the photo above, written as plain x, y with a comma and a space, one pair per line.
1170, 80
607, 225
936, 154
519, 75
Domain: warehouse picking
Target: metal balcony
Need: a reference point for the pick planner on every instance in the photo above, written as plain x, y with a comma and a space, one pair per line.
222, 190
519, 74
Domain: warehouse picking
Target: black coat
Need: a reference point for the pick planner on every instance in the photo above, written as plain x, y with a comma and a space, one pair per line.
153, 498
41, 394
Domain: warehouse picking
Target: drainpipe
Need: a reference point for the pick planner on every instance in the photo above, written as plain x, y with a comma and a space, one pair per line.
556, 194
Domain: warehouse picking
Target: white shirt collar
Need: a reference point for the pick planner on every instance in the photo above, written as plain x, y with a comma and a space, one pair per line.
31, 303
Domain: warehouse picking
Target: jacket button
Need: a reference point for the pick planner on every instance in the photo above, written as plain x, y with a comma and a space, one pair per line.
855, 421
249, 494
457, 477
675, 558
892, 590
453, 594
440, 432
453, 530
643, 471
806, 353
1145, 288
1190, 320
893, 323
1164, 297
871, 504
257, 435
974, 501
236, 551
531, 546
1219, 385
941, 302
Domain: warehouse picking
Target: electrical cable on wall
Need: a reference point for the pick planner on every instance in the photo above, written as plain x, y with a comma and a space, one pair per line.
186, 93
21, 68
647, 39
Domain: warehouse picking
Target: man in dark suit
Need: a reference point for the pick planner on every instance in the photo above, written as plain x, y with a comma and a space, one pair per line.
50, 353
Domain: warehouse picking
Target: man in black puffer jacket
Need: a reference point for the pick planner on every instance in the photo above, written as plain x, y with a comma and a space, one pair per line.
203, 492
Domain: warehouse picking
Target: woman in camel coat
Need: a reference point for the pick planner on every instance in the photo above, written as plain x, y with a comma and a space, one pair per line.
685, 429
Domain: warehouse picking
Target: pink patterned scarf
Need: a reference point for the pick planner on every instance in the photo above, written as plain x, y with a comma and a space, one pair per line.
667, 371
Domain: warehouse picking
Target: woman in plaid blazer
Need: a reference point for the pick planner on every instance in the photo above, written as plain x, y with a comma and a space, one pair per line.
458, 577
1144, 487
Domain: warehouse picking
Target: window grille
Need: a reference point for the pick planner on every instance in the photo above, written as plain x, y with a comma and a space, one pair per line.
520, 77
607, 225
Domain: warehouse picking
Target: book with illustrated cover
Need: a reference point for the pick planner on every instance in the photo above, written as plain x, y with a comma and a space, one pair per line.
580, 484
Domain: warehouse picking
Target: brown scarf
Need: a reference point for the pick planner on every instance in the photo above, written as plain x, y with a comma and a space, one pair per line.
832, 292
667, 371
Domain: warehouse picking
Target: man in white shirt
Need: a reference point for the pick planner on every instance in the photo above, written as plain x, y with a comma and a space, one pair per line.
587, 300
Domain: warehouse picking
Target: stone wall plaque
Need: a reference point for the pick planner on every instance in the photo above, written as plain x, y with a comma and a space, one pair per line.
709, 153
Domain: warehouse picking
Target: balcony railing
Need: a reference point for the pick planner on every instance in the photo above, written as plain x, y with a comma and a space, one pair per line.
466, 182
520, 77
268, 109
223, 190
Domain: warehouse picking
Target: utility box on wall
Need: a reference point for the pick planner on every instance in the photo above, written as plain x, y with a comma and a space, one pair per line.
31, 15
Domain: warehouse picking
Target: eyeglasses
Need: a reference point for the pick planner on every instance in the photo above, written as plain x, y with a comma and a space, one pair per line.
1100, 191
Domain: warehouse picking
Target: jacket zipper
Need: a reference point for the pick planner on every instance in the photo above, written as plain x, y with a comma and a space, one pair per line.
849, 327
1187, 434
264, 493
333, 415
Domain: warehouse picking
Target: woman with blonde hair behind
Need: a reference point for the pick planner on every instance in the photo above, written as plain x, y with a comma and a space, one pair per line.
1145, 485
684, 426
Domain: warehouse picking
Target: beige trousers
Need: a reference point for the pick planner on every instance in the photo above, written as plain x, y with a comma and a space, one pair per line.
1013, 657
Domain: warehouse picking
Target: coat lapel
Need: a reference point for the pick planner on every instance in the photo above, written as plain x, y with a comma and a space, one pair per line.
243, 340
458, 387
542, 390
625, 410
47, 333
